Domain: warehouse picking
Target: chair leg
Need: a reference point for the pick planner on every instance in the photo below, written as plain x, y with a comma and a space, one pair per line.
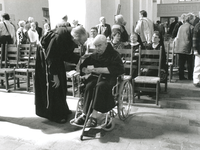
157, 92
28, 81
14, 81
166, 86
73, 88
2, 83
133, 85
18, 84
6, 80
33, 78
170, 72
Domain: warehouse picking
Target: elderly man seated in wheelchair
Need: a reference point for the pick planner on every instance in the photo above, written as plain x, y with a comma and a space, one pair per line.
107, 63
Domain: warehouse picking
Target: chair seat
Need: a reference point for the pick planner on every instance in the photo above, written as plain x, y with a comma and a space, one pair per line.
127, 77
147, 79
8, 70
24, 70
71, 73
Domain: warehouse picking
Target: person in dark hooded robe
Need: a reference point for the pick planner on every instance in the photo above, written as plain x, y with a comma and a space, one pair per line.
50, 74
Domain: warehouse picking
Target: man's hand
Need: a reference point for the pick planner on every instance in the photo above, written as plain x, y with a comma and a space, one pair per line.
56, 81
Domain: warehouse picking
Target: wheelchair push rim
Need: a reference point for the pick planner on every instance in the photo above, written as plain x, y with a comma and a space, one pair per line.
124, 99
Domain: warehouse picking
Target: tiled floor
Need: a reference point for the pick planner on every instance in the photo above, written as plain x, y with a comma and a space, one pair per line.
174, 126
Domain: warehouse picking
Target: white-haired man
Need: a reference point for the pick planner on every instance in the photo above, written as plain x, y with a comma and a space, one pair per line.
50, 74
107, 62
103, 27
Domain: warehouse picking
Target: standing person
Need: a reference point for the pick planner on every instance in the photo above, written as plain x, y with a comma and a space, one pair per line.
7, 32
175, 31
183, 47
172, 25
144, 27
46, 28
120, 24
50, 74
22, 38
65, 19
196, 47
33, 35
38, 29
103, 27
28, 23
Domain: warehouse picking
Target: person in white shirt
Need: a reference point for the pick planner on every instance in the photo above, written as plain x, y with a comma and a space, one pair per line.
89, 43
33, 35
144, 27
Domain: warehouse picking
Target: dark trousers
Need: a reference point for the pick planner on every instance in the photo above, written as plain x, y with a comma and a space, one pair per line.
4, 40
100, 93
183, 58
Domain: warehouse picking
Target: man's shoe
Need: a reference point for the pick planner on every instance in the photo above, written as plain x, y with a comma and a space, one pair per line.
197, 85
92, 122
80, 120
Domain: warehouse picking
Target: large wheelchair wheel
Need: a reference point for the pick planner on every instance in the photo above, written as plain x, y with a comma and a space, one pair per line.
124, 99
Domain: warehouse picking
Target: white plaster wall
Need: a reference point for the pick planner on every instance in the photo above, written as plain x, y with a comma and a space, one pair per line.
74, 9
22, 9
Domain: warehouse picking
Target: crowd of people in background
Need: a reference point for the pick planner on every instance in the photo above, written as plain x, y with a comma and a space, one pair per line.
147, 35
183, 32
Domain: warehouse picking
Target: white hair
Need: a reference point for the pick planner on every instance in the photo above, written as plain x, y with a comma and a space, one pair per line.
99, 39
21, 23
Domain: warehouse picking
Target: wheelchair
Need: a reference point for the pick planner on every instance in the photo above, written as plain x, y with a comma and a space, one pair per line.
123, 95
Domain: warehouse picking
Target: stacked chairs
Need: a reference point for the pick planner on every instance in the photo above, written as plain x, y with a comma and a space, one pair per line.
7, 66
148, 59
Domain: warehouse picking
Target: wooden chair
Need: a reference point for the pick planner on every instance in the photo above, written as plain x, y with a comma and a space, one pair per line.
23, 70
6, 70
129, 64
148, 59
172, 59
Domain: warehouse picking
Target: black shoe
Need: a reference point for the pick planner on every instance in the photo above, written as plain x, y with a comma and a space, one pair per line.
183, 78
197, 85
80, 120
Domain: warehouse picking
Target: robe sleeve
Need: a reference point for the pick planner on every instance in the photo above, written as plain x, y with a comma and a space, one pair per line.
116, 66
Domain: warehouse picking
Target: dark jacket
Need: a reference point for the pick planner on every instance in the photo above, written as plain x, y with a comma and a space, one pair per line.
196, 38
105, 30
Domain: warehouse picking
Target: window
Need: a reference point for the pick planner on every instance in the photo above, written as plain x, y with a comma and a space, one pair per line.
45, 12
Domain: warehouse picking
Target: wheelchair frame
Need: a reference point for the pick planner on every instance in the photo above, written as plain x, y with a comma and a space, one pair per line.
123, 96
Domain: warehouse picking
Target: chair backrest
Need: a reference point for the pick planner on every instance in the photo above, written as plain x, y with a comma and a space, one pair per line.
32, 56
1, 56
11, 55
127, 58
23, 55
149, 59
170, 53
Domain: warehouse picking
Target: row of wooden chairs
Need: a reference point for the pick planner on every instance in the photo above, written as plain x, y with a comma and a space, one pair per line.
132, 65
17, 62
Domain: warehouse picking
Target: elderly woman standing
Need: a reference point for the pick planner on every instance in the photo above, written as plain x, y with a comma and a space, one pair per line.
120, 24
22, 38
183, 47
